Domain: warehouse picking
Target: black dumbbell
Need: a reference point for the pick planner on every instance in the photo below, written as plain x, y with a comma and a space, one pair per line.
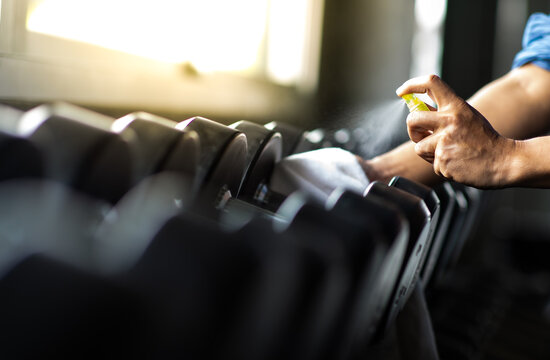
18, 156
296, 297
433, 204
465, 215
373, 237
159, 146
222, 161
44, 216
80, 149
417, 214
264, 151
296, 140
447, 197
205, 283
51, 309
125, 232
146, 207
395, 229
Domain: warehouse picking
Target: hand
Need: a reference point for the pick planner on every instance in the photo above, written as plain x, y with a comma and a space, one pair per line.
456, 138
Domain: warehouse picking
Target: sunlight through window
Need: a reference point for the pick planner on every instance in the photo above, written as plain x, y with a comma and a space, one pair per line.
212, 34
266, 37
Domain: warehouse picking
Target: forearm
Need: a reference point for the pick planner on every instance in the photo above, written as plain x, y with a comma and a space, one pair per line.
529, 164
517, 104
401, 161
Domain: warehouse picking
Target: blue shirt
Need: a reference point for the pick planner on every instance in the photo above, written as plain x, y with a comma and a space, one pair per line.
536, 42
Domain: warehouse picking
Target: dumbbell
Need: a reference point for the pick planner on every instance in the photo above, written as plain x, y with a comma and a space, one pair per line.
126, 230
51, 309
296, 140
236, 164
165, 184
80, 149
415, 211
221, 163
159, 146
263, 152
465, 215
139, 214
45, 216
433, 204
373, 236
296, 298
447, 197
18, 156
205, 283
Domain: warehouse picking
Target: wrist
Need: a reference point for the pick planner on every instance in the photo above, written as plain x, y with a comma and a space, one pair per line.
512, 163
528, 165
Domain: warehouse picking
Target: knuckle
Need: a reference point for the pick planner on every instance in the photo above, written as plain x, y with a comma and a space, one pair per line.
418, 149
432, 78
444, 138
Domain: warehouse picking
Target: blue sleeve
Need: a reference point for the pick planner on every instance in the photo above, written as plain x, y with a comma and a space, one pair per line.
536, 43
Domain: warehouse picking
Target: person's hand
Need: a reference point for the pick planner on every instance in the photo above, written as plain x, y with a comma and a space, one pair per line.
456, 138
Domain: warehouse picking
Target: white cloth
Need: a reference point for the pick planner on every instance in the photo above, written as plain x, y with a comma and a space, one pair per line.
318, 173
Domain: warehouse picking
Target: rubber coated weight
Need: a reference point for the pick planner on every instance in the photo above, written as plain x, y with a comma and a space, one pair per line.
126, 231
156, 141
294, 297
418, 216
370, 306
198, 278
365, 248
447, 197
80, 149
19, 158
433, 204
264, 151
44, 216
454, 236
468, 206
291, 135
50, 310
222, 157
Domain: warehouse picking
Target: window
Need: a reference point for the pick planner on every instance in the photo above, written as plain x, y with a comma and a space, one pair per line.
245, 58
251, 37
428, 38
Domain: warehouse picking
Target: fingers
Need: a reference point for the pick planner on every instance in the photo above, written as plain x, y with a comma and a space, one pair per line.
422, 123
430, 150
426, 148
432, 85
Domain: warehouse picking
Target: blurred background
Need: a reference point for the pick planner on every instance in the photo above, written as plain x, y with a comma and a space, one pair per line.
315, 64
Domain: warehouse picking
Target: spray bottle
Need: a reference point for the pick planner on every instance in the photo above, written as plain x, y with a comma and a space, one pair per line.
414, 103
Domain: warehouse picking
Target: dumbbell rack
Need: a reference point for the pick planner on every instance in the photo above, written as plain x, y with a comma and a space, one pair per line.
142, 236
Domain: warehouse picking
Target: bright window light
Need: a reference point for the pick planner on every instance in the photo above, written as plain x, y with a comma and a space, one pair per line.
286, 39
212, 34
427, 46
269, 37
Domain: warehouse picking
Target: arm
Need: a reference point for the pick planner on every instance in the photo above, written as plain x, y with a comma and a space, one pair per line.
516, 105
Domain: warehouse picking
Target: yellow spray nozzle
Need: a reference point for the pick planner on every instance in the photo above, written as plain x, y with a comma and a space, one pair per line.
414, 103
